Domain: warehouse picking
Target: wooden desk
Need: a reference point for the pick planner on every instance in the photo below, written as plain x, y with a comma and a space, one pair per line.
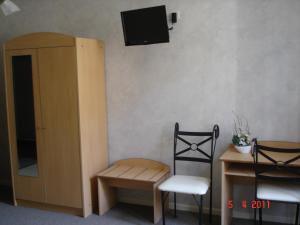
239, 167
141, 174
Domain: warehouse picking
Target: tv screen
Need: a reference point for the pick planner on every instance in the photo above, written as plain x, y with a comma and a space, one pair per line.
145, 26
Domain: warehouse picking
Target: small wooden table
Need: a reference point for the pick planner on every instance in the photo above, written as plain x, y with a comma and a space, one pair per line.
140, 174
238, 167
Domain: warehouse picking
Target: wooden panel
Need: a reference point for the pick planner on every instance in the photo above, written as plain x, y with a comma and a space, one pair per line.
232, 155
280, 144
118, 171
93, 122
136, 169
147, 175
102, 173
40, 40
159, 175
58, 82
226, 192
157, 210
247, 170
138, 174
133, 172
24, 187
128, 183
147, 163
240, 169
10, 117
107, 196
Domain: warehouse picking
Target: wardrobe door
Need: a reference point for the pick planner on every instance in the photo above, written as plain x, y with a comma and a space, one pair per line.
24, 124
59, 101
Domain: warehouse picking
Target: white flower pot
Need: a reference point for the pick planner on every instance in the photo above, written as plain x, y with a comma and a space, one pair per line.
243, 149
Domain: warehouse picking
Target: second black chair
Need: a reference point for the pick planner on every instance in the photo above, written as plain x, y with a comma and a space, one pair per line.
194, 185
279, 181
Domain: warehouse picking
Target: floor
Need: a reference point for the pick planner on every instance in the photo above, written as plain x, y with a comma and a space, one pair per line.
122, 214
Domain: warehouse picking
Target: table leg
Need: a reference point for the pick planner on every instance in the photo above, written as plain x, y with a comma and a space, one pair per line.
107, 196
226, 213
157, 209
157, 213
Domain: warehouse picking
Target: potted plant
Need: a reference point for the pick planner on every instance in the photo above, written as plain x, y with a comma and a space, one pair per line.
241, 137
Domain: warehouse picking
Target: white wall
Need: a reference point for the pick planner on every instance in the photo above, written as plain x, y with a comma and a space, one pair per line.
224, 55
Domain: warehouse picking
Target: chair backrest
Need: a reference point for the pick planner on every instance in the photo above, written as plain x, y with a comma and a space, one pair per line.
279, 168
203, 156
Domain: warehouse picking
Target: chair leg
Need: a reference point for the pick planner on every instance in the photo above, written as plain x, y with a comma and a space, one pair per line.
210, 205
297, 214
260, 216
200, 210
175, 208
255, 191
163, 207
254, 217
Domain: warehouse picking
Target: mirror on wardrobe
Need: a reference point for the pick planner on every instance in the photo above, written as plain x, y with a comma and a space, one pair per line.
24, 115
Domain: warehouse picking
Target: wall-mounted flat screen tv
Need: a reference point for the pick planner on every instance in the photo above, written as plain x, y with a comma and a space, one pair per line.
145, 26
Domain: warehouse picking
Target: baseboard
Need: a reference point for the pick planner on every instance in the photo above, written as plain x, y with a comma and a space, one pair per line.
215, 211
180, 206
194, 208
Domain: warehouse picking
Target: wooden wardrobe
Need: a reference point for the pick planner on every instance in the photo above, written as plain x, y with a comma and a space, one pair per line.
56, 111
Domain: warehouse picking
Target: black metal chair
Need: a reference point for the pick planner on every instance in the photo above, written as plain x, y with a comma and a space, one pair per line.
191, 184
279, 181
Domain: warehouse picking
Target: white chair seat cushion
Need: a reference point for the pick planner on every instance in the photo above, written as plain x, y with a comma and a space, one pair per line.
185, 184
279, 192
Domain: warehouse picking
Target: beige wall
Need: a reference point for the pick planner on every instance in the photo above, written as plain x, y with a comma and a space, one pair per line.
224, 55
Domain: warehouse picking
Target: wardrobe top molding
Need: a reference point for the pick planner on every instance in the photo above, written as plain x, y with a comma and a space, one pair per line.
42, 40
